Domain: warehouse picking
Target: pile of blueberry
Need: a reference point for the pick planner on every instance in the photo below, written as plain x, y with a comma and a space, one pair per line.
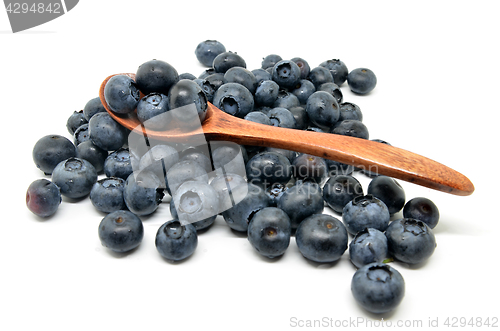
268, 193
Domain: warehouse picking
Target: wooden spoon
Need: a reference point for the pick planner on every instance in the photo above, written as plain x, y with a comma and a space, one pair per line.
384, 159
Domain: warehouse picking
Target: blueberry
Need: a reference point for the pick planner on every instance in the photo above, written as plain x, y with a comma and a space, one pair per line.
281, 117
176, 241
269, 232
334, 90
230, 189
267, 168
206, 73
90, 152
187, 75
198, 225
266, 93
261, 75
378, 287
75, 120
365, 212
301, 117
319, 76
106, 133
286, 73
410, 241
301, 201
50, 150
352, 128
350, 111
121, 231
227, 60
200, 158
81, 134
121, 94
290, 155
183, 171
361, 80
43, 198
216, 80
422, 209
241, 76
321, 238
107, 194
74, 177
286, 100
322, 109
207, 51
156, 76
118, 164
195, 201
389, 191
368, 246
143, 193
339, 190
258, 117
309, 166
149, 110
238, 216
234, 99
303, 66
270, 60
92, 107
230, 157
207, 88
159, 159
338, 69
303, 90
183, 95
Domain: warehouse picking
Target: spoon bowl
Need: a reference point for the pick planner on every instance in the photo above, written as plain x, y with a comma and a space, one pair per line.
365, 154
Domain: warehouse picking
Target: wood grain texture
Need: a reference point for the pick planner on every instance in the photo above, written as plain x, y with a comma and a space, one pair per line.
365, 154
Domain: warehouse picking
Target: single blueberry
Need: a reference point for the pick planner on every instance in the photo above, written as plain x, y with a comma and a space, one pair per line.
143, 193
234, 99
281, 117
368, 246
352, 128
195, 201
269, 232
92, 107
207, 88
321, 238
361, 80
227, 60
74, 177
43, 198
107, 194
261, 75
176, 241
241, 76
301, 117
286, 73
199, 225
410, 241
159, 159
323, 109
350, 111
389, 191
118, 164
378, 287
121, 94
422, 209
81, 134
207, 51
258, 117
338, 69
50, 150
121, 231
186, 93
183, 171
334, 90
187, 75
267, 168
75, 120
339, 190
90, 152
365, 212
303, 66
149, 110
156, 76
307, 166
303, 90
266, 93
270, 60
301, 201
106, 133
319, 76
230, 188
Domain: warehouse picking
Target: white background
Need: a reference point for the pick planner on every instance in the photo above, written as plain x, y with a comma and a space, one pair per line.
437, 95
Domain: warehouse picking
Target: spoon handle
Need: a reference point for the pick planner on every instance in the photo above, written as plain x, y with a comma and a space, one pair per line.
365, 154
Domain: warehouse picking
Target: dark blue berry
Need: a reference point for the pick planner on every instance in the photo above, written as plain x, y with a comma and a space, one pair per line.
267, 168
43, 198
389, 191
361, 80
301, 201
269, 232
234, 99
422, 209
319, 76
75, 120
286, 73
339, 190
176, 241
81, 134
156, 76
266, 93
92, 107
195, 201
323, 109
121, 231
150, 108
303, 66
187, 102
143, 193
338, 69
207, 51
118, 164
227, 60
50, 150
121, 94
270, 60
368, 246
241, 76
74, 177
106, 133
352, 128
107, 194
365, 212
